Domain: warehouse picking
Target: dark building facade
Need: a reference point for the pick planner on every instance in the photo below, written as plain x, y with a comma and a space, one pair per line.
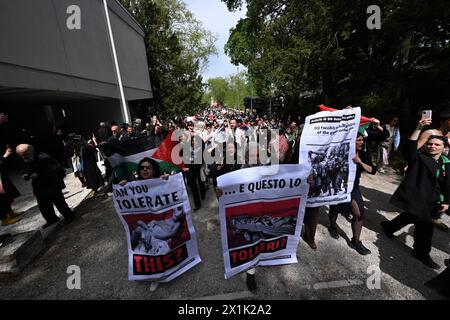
53, 72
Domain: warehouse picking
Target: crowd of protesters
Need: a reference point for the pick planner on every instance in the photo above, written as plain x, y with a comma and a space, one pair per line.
423, 196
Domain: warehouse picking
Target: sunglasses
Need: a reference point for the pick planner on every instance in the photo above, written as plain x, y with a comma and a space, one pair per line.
145, 168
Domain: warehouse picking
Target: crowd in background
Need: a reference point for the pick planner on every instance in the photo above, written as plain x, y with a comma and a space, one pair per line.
220, 128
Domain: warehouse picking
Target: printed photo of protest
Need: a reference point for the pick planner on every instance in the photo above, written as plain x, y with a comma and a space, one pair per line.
330, 169
158, 234
247, 224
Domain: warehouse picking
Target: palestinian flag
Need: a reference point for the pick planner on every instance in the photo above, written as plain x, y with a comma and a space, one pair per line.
124, 156
363, 123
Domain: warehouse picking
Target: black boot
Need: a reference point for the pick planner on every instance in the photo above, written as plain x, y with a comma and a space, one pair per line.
387, 232
333, 232
358, 246
251, 282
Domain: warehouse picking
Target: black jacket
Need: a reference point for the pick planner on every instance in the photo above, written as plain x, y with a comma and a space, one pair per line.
50, 175
418, 193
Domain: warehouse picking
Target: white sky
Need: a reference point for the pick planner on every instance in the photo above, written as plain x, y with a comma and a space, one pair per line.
216, 18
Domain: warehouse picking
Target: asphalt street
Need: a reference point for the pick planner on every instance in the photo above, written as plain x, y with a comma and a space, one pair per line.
96, 243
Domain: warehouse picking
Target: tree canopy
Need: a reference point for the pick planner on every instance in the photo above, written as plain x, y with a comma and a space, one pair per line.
229, 91
178, 48
323, 50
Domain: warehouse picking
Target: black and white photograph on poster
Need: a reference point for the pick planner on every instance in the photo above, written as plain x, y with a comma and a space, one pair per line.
330, 169
265, 227
327, 147
261, 216
157, 236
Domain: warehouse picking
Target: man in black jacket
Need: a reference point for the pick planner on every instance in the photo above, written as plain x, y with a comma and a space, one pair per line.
47, 177
424, 193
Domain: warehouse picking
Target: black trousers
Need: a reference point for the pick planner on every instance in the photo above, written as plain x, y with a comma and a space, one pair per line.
195, 183
311, 221
46, 202
5, 206
423, 232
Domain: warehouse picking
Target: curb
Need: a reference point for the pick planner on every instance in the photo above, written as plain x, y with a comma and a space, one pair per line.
22, 248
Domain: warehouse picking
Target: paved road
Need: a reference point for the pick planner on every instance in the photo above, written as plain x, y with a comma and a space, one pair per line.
96, 243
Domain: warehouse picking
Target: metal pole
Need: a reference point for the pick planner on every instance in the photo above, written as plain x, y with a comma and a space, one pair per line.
124, 105
251, 101
237, 85
270, 112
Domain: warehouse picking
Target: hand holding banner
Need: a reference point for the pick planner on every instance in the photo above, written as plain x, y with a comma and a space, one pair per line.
161, 237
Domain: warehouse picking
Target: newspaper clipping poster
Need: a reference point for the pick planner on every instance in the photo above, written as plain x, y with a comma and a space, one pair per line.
328, 146
161, 237
261, 216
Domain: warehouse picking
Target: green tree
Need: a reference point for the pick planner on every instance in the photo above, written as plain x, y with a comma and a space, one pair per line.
229, 91
178, 48
323, 49
217, 89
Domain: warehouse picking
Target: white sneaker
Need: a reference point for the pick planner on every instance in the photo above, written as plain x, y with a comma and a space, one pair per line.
154, 286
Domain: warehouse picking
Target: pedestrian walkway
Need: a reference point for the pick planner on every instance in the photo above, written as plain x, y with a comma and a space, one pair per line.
97, 244
32, 219
23, 241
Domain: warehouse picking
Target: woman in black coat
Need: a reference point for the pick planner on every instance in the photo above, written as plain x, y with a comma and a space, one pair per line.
424, 193
91, 172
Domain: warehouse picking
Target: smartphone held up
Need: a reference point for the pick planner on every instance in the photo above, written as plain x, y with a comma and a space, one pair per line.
426, 114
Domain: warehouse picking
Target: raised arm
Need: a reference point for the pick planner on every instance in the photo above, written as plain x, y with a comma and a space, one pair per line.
422, 138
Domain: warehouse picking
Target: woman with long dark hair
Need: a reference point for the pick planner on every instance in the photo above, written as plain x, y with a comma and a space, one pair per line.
148, 169
91, 172
354, 211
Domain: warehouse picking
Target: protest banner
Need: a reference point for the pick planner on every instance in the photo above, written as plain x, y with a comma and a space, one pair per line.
261, 216
161, 237
327, 146
364, 122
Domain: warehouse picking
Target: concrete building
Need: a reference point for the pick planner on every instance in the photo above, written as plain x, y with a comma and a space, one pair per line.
57, 63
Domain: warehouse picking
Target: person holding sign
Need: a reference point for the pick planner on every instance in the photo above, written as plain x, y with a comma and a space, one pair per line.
252, 159
354, 211
149, 169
